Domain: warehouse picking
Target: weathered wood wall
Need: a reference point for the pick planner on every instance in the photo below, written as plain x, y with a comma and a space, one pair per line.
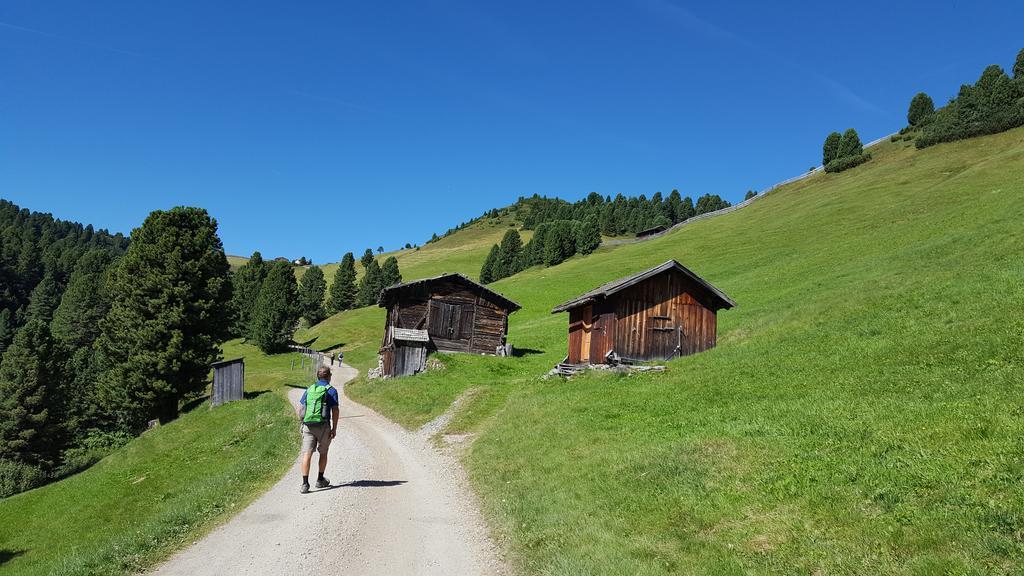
661, 318
457, 319
228, 381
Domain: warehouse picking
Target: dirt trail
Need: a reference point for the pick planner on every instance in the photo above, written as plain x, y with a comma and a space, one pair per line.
396, 506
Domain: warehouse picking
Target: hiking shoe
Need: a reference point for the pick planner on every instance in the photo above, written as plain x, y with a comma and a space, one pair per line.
323, 483
304, 489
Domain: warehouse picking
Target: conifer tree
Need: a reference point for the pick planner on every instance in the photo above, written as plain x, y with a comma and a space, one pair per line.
672, 208
921, 107
367, 258
312, 290
686, 209
509, 255
44, 300
850, 144
830, 150
29, 403
85, 302
487, 271
170, 309
246, 284
370, 285
389, 273
588, 236
343, 290
1018, 66
277, 309
6, 329
750, 194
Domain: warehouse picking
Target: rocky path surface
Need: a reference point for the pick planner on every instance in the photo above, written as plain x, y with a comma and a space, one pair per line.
396, 506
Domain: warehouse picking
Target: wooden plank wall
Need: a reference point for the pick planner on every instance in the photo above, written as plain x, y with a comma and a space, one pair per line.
656, 316
482, 324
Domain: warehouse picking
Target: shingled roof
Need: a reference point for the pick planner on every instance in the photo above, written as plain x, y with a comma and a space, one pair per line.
614, 286
501, 299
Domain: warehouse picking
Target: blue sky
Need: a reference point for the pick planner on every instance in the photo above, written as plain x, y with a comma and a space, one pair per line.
314, 128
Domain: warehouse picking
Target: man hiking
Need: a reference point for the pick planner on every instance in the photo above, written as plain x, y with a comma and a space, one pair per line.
319, 402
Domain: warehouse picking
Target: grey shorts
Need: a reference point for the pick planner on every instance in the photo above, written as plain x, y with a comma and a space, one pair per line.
316, 437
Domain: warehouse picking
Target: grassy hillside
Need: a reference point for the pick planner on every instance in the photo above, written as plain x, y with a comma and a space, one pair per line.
163, 490
863, 412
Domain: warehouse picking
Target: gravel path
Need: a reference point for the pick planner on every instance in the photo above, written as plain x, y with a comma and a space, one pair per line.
397, 506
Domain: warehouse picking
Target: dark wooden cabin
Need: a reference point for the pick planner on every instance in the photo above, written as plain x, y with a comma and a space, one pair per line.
658, 314
651, 231
449, 313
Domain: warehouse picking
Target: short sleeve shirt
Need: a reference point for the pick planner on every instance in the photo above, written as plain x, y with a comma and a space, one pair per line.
332, 395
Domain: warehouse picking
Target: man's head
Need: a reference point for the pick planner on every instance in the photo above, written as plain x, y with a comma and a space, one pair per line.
324, 373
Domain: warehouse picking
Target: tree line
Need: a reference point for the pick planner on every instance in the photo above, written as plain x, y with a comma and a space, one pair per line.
995, 103
101, 334
269, 302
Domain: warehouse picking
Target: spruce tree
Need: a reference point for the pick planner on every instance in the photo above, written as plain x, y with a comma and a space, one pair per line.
750, 194
169, 311
44, 300
343, 290
312, 290
487, 270
672, 208
830, 150
277, 309
6, 329
85, 302
1018, 66
686, 209
246, 283
370, 285
921, 108
509, 255
588, 236
367, 258
389, 272
29, 403
850, 145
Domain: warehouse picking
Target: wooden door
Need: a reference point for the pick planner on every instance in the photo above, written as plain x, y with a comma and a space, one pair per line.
663, 337
588, 326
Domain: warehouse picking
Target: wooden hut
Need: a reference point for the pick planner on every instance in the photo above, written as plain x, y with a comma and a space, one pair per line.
652, 231
658, 314
449, 313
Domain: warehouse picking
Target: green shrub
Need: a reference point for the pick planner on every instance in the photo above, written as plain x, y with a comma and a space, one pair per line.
908, 137
830, 149
95, 446
894, 138
17, 477
847, 162
995, 103
921, 107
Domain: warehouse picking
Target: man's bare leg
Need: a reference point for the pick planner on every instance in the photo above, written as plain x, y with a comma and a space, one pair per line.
307, 457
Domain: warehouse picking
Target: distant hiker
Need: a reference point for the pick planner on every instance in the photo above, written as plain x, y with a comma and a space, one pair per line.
332, 358
319, 402
341, 355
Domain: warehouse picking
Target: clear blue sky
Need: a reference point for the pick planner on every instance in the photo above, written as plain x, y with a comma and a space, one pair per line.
314, 128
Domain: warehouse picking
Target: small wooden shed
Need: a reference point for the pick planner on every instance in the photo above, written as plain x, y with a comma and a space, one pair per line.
657, 314
652, 231
449, 313
228, 381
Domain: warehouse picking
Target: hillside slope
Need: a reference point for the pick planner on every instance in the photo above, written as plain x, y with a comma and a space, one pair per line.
863, 412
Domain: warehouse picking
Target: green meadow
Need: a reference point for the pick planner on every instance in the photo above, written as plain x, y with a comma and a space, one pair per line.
862, 413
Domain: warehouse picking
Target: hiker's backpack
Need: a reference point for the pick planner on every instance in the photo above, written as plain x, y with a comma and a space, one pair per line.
316, 404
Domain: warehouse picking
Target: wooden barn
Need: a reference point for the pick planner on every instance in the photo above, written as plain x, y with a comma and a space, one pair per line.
449, 313
658, 314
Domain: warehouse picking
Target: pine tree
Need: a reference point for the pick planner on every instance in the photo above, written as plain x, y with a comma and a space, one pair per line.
921, 108
343, 290
29, 406
588, 236
750, 194
277, 309
370, 285
1018, 66
672, 208
509, 255
85, 302
389, 272
6, 329
312, 290
830, 150
487, 271
44, 300
246, 283
850, 145
170, 309
686, 209
367, 258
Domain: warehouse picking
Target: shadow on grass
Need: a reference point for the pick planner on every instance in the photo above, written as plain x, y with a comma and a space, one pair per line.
8, 555
254, 394
193, 404
520, 352
332, 347
307, 343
